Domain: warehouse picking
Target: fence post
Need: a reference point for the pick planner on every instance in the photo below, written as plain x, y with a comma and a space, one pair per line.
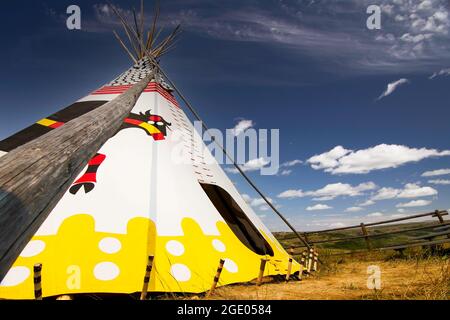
366, 236
316, 259
438, 215
37, 269
289, 269
216, 278
262, 267
148, 272
310, 260
302, 266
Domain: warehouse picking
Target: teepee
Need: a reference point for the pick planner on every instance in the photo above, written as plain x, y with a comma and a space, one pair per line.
139, 200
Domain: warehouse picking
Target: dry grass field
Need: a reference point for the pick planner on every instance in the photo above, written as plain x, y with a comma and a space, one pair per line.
345, 278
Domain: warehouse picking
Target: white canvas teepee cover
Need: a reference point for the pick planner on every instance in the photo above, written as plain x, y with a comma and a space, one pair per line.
137, 199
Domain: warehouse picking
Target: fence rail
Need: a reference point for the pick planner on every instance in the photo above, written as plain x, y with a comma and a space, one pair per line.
367, 235
436, 213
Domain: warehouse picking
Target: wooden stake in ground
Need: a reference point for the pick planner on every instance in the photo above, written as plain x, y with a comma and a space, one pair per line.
148, 272
289, 269
310, 260
37, 280
438, 215
216, 278
262, 267
35, 176
316, 259
302, 266
366, 236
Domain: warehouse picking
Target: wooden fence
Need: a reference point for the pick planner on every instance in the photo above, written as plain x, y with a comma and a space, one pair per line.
434, 232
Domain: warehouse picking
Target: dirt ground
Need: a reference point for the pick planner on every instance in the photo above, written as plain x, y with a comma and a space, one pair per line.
346, 279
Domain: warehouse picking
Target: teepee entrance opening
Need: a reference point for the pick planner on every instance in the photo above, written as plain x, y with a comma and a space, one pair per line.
237, 220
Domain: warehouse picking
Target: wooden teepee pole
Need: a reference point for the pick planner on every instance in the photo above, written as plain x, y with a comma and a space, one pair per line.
35, 176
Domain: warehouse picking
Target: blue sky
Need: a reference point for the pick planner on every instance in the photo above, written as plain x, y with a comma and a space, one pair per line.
310, 68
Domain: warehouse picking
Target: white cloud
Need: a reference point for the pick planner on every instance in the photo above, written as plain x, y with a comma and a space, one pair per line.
258, 203
443, 72
103, 8
367, 203
241, 126
375, 214
337, 225
425, 5
440, 182
398, 215
291, 163
414, 203
290, 194
342, 189
285, 172
330, 191
391, 87
255, 164
324, 198
435, 173
401, 210
328, 159
319, 207
252, 165
385, 193
354, 209
411, 190
310, 27
417, 28
247, 198
414, 39
383, 156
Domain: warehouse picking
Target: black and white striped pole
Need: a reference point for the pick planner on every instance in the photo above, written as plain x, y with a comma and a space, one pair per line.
148, 272
216, 278
37, 278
